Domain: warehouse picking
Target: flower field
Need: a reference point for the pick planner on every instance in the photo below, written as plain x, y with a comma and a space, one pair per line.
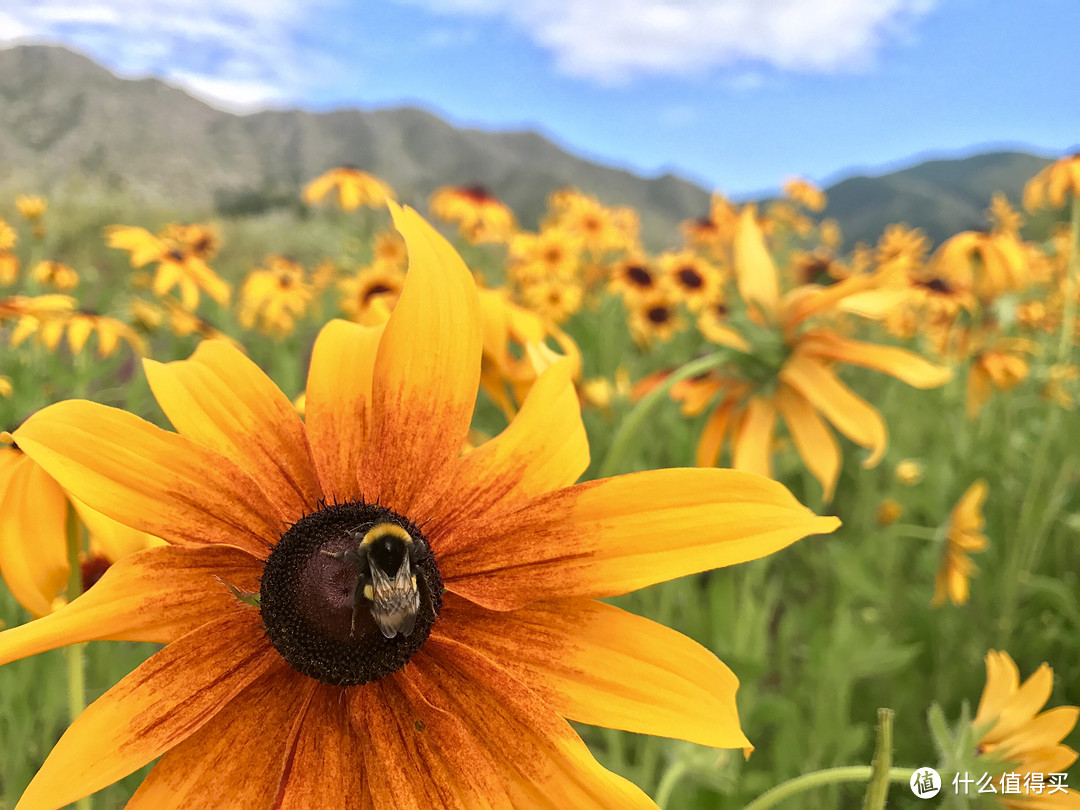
677, 631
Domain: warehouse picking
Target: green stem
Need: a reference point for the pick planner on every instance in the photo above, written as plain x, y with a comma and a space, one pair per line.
877, 791
636, 418
829, 776
672, 777
74, 653
1072, 272
917, 532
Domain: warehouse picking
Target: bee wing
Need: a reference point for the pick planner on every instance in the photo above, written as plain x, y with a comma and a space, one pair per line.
396, 601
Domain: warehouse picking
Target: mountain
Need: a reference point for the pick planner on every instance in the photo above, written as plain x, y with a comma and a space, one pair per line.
64, 118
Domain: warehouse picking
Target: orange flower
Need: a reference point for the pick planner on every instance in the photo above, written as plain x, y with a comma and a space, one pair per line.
1002, 366
288, 678
963, 537
1054, 184
354, 188
479, 214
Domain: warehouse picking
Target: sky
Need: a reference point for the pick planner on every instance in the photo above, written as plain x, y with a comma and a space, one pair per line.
736, 95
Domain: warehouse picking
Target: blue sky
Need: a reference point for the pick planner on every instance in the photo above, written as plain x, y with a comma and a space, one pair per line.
735, 94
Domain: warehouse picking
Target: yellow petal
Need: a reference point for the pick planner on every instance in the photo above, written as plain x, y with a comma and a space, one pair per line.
755, 271
427, 373
237, 758
712, 435
544, 448
160, 704
149, 479
154, 595
222, 400
816, 444
338, 403
894, 361
1023, 705
853, 416
33, 539
112, 539
596, 664
615, 535
753, 442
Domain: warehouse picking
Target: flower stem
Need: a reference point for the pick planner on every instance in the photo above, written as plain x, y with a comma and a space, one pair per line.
877, 791
73, 653
1072, 272
829, 776
917, 532
636, 418
672, 776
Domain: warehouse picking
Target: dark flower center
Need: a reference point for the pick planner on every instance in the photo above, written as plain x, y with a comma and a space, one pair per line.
938, 285
350, 593
658, 314
690, 278
378, 288
639, 275
93, 569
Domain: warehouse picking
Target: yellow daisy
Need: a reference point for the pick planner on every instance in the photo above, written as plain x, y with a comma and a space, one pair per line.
963, 536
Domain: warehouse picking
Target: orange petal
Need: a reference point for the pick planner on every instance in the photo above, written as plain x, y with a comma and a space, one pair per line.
154, 595
338, 404
712, 435
149, 479
33, 539
755, 271
541, 762
853, 416
896, 362
222, 400
324, 765
1023, 704
816, 444
427, 373
596, 664
753, 442
425, 756
236, 759
615, 535
544, 448
1049, 728
157, 706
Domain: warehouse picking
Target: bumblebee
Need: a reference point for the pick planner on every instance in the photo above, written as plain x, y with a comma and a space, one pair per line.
384, 560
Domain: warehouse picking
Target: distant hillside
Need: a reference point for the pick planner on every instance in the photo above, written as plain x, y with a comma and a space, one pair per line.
940, 196
64, 118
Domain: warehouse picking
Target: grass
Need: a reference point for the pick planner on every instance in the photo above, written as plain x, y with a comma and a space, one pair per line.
821, 635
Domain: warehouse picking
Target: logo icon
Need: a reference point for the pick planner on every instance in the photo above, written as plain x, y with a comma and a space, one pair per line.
926, 783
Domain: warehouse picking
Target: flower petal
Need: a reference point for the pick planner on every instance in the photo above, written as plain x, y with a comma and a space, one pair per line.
222, 400
892, 360
149, 479
816, 444
33, 540
235, 760
541, 761
712, 435
597, 664
1023, 704
544, 448
157, 706
427, 373
324, 766
753, 442
853, 416
755, 271
155, 595
615, 535
338, 403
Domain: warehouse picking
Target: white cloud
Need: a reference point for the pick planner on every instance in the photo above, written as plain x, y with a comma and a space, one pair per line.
236, 53
615, 40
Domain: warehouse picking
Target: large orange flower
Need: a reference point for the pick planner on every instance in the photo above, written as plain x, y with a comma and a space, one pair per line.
277, 686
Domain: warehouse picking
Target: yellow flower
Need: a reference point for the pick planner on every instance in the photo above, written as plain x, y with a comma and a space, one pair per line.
963, 536
715, 230
479, 214
909, 472
389, 250
830, 234
888, 512
33, 534
1053, 184
275, 297
553, 298
360, 292
8, 237
988, 264
354, 188
1003, 217
655, 316
1002, 366
551, 253
1019, 739
9, 268
805, 193
56, 275
31, 206
694, 280
584, 218
1060, 382
6, 389
178, 253
278, 657
901, 247
634, 277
